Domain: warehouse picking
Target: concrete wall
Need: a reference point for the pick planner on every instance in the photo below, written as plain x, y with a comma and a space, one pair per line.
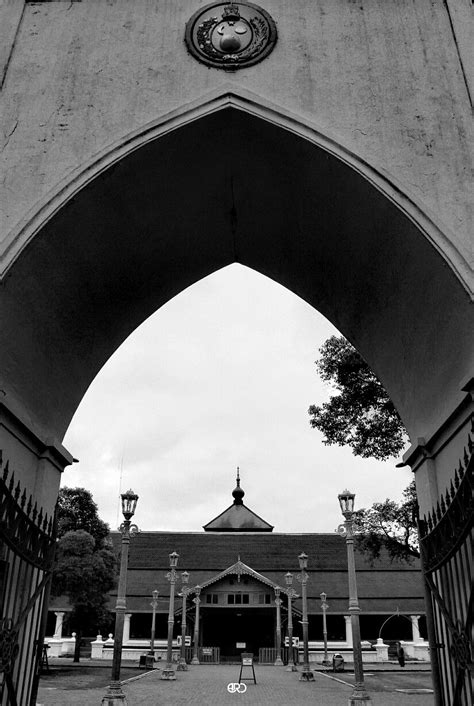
383, 77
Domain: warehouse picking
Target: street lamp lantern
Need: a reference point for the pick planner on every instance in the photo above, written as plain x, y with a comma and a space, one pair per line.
291, 593
324, 607
114, 694
359, 695
154, 605
185, 591
303, 561
278, 602
346, 501
196, 601
306, 673
168, 672
129, 504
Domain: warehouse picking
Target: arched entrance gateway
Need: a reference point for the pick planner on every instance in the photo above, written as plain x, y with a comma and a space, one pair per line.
346, 216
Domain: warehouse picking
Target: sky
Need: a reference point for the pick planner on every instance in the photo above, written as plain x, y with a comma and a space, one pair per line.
221, 376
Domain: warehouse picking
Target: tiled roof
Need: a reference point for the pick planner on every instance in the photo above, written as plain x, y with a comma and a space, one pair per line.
238, 518
264, 552
383, 587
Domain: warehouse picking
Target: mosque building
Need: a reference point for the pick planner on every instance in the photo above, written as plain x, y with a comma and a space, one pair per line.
239, 569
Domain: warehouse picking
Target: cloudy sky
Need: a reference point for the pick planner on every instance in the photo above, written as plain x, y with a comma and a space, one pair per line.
220, 377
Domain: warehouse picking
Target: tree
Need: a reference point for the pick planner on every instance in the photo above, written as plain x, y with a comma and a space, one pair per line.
78, 511
85, 567
84, 573
391, 526
361, 415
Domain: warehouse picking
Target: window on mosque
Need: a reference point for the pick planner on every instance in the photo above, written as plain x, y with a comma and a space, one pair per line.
238, 598
212, 598
264, 598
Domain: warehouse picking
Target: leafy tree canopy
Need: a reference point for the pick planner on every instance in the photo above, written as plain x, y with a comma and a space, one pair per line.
78, 511
361, 415
390, 526
85, 567
84, 572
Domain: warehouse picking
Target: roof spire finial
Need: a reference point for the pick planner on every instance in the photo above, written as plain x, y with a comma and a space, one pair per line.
238, 493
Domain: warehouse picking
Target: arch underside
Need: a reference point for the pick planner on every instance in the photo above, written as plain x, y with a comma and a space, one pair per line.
231, 187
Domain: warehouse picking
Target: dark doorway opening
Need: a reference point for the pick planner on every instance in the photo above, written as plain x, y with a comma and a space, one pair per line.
237, 630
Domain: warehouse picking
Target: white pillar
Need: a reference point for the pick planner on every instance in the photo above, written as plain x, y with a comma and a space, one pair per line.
97, 648
415, 629
382, 650
349, 641
58, 628
126, 628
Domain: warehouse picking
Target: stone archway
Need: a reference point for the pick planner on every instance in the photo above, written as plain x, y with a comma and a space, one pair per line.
231, 181
218, 185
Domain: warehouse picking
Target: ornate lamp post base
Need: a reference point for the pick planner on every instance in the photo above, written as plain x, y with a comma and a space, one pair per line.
306, 675
182, 666
114, 695
168, 673
292, 668
195, 660
359, 696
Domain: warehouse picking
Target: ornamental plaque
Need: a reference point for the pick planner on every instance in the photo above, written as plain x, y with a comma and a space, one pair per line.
230, 35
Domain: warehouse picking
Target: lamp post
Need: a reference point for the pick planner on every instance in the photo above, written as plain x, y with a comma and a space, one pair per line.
324, 607
306, 673
197, 602
291, 593
278, 661
359, 695
114, 693
154, 605
168, 671
182, 666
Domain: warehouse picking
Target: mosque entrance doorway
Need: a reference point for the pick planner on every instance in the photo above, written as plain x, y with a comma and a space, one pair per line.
237, 630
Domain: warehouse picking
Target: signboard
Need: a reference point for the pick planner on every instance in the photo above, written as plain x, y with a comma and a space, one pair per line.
247, 661
187, 640
241, 645
296, 641
207, 651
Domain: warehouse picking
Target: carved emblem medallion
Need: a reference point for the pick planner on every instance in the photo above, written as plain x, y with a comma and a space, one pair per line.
230, 35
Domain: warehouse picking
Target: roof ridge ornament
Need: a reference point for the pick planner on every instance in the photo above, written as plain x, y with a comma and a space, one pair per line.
230, 36
238, 493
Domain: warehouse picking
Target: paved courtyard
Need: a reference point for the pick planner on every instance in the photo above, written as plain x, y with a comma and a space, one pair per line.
207, 686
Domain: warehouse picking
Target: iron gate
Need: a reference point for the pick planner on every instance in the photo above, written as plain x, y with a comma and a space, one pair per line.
446, 553
27, 541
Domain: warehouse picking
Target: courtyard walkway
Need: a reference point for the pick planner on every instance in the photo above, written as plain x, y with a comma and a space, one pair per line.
206, 685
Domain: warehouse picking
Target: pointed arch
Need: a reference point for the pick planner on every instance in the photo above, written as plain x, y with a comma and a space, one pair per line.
228, 179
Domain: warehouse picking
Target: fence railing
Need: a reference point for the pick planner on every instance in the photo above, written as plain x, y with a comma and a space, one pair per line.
27, 542
209, 655
446, 538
